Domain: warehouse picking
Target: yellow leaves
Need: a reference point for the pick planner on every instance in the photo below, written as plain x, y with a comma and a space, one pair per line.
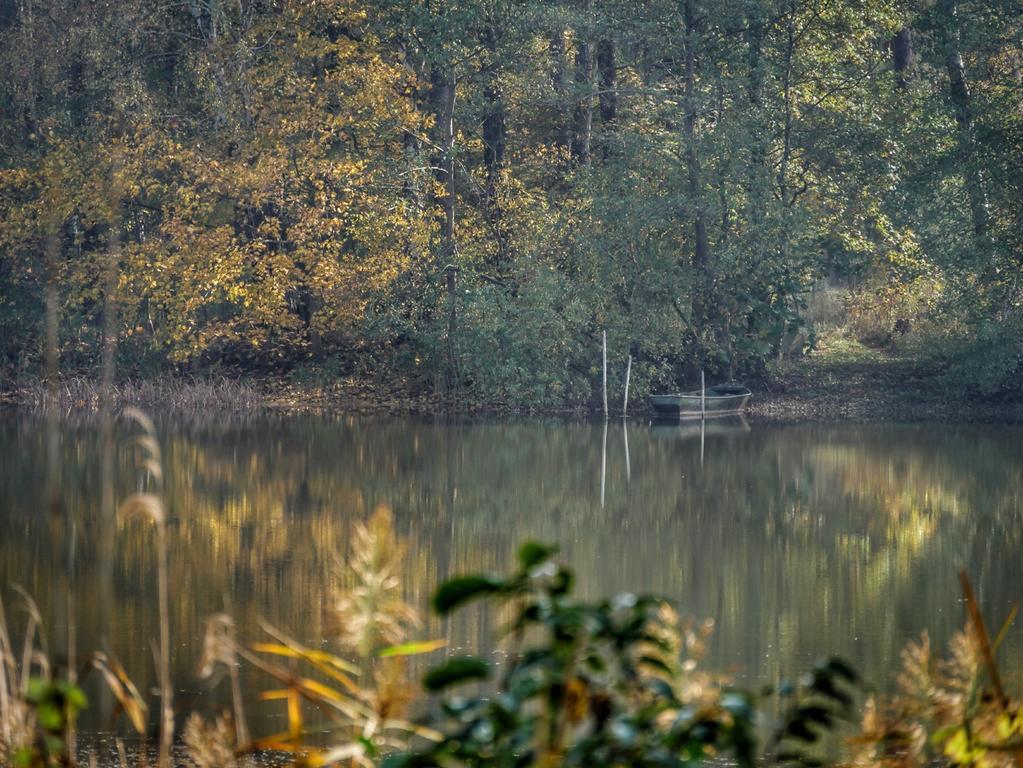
411, 649
326, 662
1007, 726
123, 688
576, 701
273, 207
294, 713
942, 705
961, 749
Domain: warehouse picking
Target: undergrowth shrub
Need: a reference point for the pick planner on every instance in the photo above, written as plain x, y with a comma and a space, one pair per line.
990, 361
883, 312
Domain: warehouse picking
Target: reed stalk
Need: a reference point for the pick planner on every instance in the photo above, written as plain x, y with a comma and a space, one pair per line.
166, 708
150, 506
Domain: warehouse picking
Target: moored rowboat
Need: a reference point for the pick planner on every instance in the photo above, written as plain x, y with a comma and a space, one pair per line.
720, 400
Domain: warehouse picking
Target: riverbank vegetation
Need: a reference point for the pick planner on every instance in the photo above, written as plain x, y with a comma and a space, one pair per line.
457, 198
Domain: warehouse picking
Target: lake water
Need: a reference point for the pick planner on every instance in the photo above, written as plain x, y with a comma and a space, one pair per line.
800, 540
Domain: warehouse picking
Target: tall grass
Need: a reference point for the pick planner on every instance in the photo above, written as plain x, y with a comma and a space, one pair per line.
39, 708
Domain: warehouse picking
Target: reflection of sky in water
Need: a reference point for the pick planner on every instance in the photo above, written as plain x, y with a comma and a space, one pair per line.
798, 540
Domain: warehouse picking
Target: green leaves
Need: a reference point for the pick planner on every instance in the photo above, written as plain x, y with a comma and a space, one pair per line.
589, 683
823, 698
457, 592
57, 704
533, 553
457, 670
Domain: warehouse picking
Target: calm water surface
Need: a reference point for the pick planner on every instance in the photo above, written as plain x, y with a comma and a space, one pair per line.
799, 540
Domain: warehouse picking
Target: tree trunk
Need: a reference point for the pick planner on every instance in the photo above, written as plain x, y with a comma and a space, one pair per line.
455, 376
608, 81
494, 117
442, 101
608, 97
757, 178
582, 121
722, 180
786, 149
493, 149
959, 92
559, 82
902, 55
411, 189
442, 97
690, 126
493, 138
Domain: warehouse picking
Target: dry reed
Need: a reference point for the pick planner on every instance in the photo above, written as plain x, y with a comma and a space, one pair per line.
163, 394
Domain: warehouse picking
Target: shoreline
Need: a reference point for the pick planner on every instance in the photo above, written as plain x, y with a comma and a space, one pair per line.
837, 393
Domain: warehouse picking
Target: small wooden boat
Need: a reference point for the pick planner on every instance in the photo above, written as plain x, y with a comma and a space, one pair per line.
720, 400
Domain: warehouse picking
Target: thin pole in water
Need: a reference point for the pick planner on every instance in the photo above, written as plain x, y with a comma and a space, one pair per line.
603, 467
703, 396
628, 465
703, 427
604, 348
628, 373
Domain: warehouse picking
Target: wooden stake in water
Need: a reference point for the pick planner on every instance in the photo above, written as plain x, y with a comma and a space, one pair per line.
628, 465
603, 467
604, 337
703, 397
628, 373
703, 428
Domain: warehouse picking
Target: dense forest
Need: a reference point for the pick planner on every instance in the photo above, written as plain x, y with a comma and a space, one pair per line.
463, 194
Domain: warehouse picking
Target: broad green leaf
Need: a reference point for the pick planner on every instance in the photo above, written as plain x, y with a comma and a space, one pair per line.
532, 553
458, 591
454, 671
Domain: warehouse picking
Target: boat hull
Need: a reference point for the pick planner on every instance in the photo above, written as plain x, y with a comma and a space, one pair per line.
690, 404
